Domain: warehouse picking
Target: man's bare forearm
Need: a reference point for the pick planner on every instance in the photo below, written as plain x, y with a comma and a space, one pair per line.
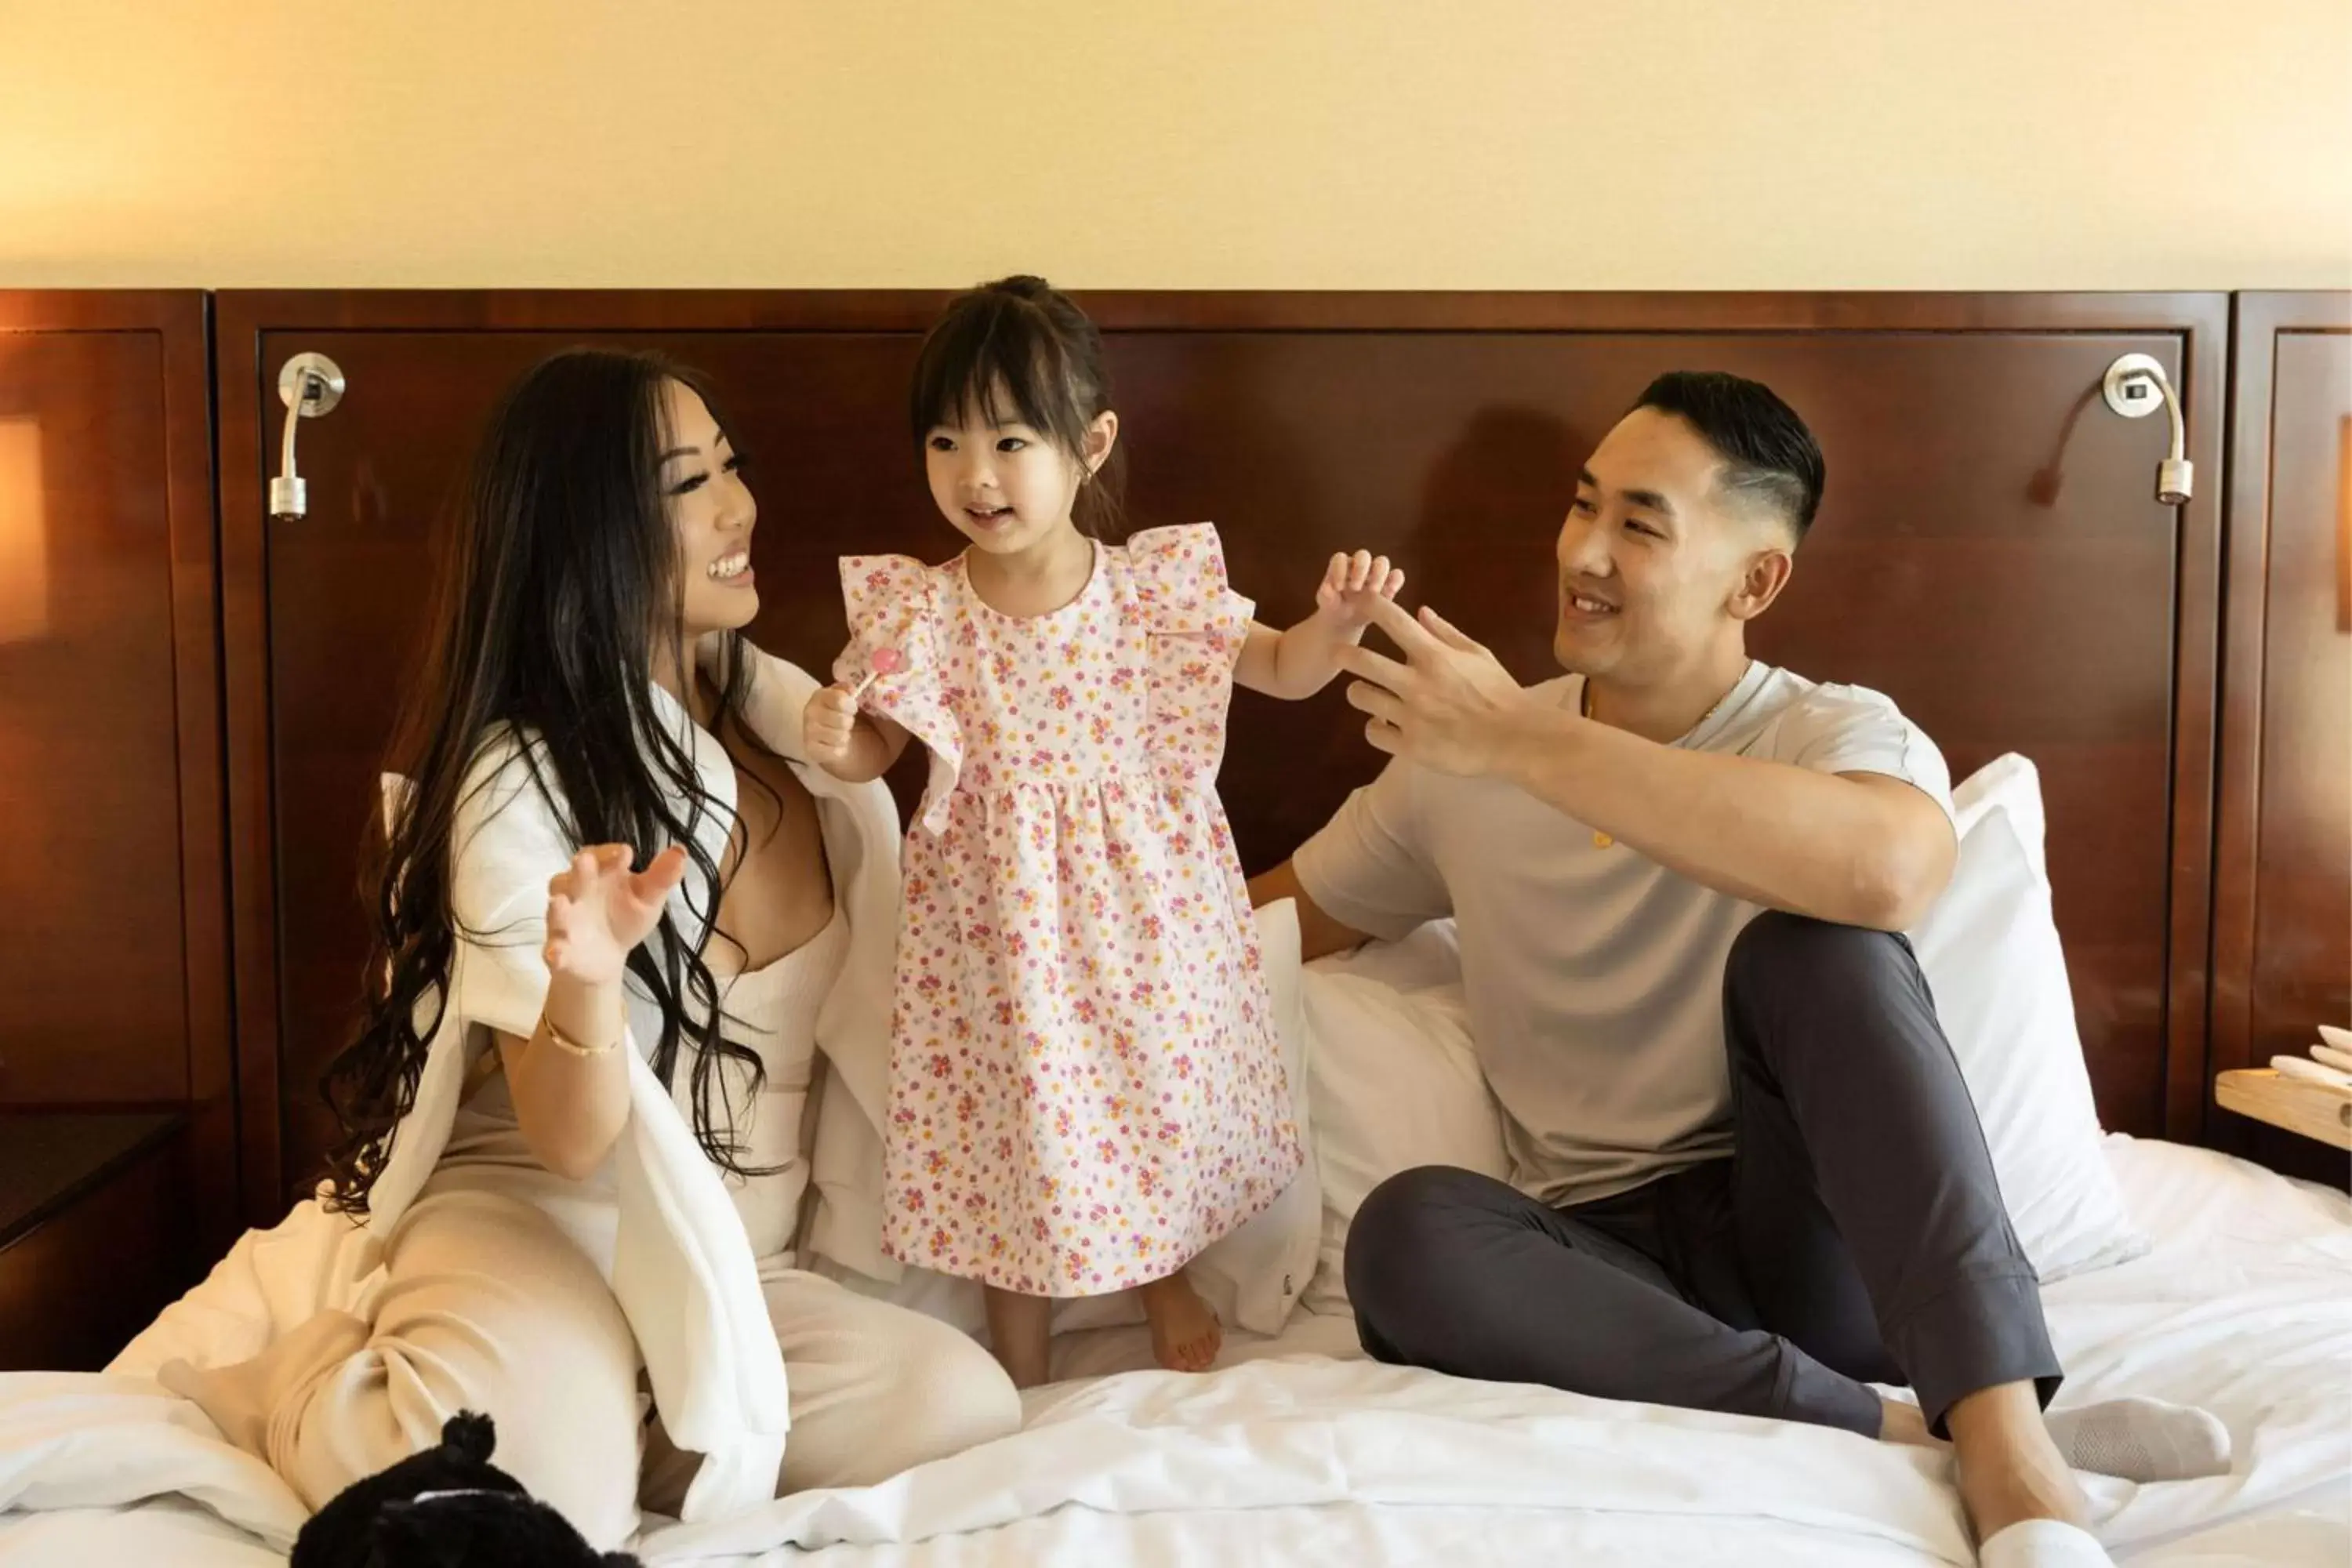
1860, 850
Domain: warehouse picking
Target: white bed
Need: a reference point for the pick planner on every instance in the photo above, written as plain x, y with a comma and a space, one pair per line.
2235, 1294
1299, 1451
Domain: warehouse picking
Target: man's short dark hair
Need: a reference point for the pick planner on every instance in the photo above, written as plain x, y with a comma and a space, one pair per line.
1769, 456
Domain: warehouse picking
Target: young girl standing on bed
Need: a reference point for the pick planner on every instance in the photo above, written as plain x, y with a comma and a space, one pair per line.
1085, 1086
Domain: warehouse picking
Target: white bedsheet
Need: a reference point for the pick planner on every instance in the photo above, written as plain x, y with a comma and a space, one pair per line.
1290, 1455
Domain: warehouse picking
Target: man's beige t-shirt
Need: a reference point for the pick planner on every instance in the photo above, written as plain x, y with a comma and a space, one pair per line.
1594, 976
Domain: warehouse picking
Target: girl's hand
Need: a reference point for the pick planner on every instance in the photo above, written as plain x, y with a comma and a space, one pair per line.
598, 910
828, 725
1352, 585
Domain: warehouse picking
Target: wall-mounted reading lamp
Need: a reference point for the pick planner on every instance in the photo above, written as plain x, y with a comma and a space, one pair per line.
2136, 386
308, 384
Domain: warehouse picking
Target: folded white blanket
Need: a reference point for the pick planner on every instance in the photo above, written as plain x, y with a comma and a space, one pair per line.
71, 1440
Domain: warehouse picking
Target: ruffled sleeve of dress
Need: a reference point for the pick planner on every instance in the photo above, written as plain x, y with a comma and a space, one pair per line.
894, 601
1195, 625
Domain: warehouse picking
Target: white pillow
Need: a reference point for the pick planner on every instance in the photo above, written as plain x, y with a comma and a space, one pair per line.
1989, 948
1426, 958
1253, 1277
1396, 1085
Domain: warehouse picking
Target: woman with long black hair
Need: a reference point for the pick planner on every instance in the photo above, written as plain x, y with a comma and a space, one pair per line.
625, 1047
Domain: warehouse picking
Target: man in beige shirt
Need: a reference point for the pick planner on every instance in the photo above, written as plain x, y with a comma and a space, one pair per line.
1747, 1174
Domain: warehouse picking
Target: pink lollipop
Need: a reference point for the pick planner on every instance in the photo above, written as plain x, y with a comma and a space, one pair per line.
886, 661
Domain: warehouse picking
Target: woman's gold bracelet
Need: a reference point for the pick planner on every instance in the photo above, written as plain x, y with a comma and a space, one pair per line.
563, 1041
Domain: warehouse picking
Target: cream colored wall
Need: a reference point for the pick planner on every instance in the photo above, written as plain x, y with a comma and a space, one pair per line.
1217, 143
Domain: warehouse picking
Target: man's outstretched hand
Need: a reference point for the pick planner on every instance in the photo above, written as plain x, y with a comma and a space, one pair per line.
1448, 706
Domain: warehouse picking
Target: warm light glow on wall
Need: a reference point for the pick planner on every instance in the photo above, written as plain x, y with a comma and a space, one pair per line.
23, 535
1221, 144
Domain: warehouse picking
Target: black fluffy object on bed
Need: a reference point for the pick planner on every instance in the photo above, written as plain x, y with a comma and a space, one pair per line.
447, 1507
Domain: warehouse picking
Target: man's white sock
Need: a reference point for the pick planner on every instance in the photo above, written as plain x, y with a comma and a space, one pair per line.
2044, 1543
2142, 1440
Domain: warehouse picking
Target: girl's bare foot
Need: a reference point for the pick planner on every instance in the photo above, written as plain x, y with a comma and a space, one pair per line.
1185, 1334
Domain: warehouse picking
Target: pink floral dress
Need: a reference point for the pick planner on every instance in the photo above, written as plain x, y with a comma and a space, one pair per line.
1085, 1088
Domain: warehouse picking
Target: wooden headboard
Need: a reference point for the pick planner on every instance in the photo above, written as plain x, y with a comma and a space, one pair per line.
1990, 554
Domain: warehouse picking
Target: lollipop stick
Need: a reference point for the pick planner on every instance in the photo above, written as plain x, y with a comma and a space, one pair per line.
886, 661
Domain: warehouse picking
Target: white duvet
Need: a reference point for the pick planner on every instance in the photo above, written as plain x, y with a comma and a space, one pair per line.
1303, 1453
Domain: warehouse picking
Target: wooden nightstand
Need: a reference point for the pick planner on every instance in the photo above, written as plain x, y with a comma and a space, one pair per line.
97, 1233
2266, 1095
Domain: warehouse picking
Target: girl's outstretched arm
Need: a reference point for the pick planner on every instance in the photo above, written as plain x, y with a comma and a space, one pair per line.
1301, 662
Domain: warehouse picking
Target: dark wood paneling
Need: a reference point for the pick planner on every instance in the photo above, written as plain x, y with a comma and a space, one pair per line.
93, 970
2283, 893
114, 965
1990, 554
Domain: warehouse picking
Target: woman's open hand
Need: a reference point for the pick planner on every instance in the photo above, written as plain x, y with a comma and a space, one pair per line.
598, 910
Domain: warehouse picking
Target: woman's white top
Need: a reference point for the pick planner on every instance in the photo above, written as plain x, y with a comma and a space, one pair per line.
682, 1262
772, 1010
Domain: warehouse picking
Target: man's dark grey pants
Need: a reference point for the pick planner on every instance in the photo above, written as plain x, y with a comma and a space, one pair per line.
1855, 1235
